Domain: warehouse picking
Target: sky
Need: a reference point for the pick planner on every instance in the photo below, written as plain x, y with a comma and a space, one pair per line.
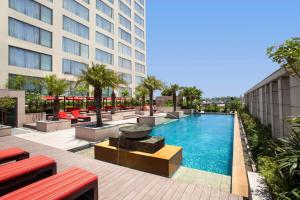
218, 46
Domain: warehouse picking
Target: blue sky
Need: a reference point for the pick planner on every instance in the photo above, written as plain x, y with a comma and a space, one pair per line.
216, 45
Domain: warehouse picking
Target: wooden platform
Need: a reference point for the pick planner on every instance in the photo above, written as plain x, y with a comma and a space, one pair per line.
116, 182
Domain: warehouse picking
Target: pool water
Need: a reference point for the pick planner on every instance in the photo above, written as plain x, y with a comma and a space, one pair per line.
206, 140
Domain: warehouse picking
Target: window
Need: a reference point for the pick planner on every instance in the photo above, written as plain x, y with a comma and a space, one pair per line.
104, 57
140, 44
74, 27
126, 88
111, 1
139, 56
76, 48
72, 67
29, 33
141, 2
87, 1
104, 8
125, 9
32, 9
125, 22
124, 63
126, 77
138, 80
104, 24
124, 49
128, 1
76, 8
139, 8
139, 32
139, 20
124, 35
140, 68
104, 40
29, 59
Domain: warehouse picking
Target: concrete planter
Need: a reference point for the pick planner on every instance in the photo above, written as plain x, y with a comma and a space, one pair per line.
188, 111
175, 115
49, 126
95, 134
151, 120
5, 131
34, 117
166, 108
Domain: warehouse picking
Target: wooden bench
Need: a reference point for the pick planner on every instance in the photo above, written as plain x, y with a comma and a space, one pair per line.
12, 154
73, 183
18, 174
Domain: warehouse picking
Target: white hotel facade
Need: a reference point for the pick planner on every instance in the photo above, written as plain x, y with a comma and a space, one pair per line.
43, 37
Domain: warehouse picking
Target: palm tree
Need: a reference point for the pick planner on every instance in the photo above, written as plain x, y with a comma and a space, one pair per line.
124, 94
152, 84
55, 87
174, 88
117, 82
99, 77
141, 92
191, 94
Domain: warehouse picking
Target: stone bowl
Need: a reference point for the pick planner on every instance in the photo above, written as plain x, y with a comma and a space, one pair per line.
135, 132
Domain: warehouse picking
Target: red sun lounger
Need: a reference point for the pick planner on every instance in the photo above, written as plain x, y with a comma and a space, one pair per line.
12, 154
73, 183
18, 174
63, 115
77, 114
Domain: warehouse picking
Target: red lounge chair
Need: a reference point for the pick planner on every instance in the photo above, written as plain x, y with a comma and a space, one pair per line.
77, 114
12, 154
18, 174
73, 183
63, 115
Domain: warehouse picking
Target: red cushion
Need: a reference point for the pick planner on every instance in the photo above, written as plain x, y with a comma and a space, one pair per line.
16, 169
55, 187
62, 115
12, 152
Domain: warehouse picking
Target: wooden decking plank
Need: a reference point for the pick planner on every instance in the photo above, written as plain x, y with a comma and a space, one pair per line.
180, 191
187, 195
205, 195
171, 190
224, 196
197, 192
214, 194
233, 197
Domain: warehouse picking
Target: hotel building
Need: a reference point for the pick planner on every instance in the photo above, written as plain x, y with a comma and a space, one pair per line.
43, 37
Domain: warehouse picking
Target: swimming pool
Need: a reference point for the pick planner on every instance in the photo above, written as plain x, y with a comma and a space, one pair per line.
206, 140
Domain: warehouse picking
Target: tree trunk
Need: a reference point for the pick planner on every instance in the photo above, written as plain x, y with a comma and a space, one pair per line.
56, 108
113, 102
151, 102
143, 102
187, 102
174, 102
98, 105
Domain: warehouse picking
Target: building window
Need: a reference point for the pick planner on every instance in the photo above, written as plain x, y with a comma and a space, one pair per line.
139, 56
124, 22
140, 68
77, 9
139, 8
128, 1
125, 9
104, 40
104, 24
124, 35
72, 67
138, 20
141, 2
104, 8
76, 48
32, 9
29, 33
139, 44
29, 59
124, 63
124, 49
126, 88
139, 32
139, 80
87, 1
74, 27
126, 77
104, 57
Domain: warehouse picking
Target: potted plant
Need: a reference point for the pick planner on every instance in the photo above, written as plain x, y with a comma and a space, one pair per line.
6, 103
99, 77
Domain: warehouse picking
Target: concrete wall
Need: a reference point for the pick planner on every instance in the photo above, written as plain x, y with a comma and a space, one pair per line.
275, 99
161, 100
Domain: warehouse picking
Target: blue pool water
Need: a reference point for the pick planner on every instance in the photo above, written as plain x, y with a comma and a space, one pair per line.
206, 141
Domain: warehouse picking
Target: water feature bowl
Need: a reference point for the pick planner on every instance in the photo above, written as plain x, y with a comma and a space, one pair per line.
135, 132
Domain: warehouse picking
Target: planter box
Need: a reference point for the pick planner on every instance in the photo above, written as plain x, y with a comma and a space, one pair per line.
34, 117
96, 134
166, 108
175, 115
151, 120
49, 126
188, 111
5, 131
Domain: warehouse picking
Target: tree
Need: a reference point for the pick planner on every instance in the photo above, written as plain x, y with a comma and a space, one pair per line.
124, 94
287, 55
99, 77
174, 88
152, 84
16, 83
117, 82
82, 89
191, 94
55, 87
141, 92
6, 103
166, 92
233, 104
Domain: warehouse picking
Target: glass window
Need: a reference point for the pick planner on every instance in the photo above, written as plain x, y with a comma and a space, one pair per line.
111, 1
32, 9
141, 2
104, 24
104, 8
139, 56
124, 49
139, 32
87, 1
139, 80
140, 44
139, 20
29, 59
74, 27
140, 68
124, 63
139, 8
76, 8
124, 35
125, 22
76, 48
104, 40
126, 77
125, 9
104, 57
128, 1
72, 67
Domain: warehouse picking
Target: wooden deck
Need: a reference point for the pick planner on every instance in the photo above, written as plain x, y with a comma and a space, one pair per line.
116, 182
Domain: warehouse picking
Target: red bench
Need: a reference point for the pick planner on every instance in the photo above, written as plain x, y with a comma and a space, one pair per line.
76, 114
12, 154
73, 183
18, 174
63, 115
